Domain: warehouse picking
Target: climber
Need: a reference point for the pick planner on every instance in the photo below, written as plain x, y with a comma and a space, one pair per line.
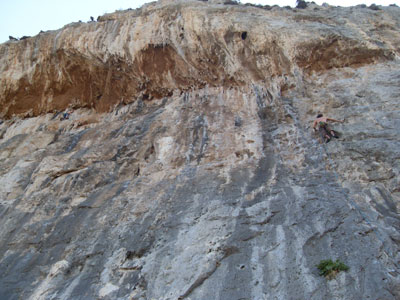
325, 131
66, 115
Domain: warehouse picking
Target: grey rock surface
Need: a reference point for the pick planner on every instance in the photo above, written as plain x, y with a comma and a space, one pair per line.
217, 191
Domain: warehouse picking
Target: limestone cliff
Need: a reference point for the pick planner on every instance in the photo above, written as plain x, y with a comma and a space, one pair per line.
188, 168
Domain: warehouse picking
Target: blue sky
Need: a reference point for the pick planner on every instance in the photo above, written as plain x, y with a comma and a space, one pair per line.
28, 17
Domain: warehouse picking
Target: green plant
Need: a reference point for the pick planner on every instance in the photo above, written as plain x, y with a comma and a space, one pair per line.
301, 4
329, 268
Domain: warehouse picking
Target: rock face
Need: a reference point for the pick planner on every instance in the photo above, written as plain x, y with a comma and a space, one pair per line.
188, 168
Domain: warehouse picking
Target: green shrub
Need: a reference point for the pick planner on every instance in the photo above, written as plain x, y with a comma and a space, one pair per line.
329, 268
301, 4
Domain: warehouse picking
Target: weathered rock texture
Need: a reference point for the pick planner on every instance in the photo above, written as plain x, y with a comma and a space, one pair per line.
188, 169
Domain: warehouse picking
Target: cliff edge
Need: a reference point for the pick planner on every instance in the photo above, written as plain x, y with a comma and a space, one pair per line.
187, 167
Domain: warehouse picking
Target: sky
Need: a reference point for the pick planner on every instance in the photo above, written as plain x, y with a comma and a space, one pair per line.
28, 17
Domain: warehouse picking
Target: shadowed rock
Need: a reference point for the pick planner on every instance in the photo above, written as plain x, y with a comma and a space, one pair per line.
188, 168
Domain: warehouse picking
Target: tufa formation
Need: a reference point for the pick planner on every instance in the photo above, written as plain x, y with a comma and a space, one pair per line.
167, 153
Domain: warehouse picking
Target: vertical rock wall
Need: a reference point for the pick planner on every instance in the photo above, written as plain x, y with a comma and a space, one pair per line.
198, 175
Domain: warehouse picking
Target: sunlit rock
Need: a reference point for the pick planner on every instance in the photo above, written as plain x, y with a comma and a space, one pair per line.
168, 153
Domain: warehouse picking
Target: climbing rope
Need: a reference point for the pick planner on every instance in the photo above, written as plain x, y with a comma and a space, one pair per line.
289, 109
353, 203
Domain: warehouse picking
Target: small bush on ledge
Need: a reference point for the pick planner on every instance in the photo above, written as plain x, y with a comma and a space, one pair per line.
301, 4
329, 268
